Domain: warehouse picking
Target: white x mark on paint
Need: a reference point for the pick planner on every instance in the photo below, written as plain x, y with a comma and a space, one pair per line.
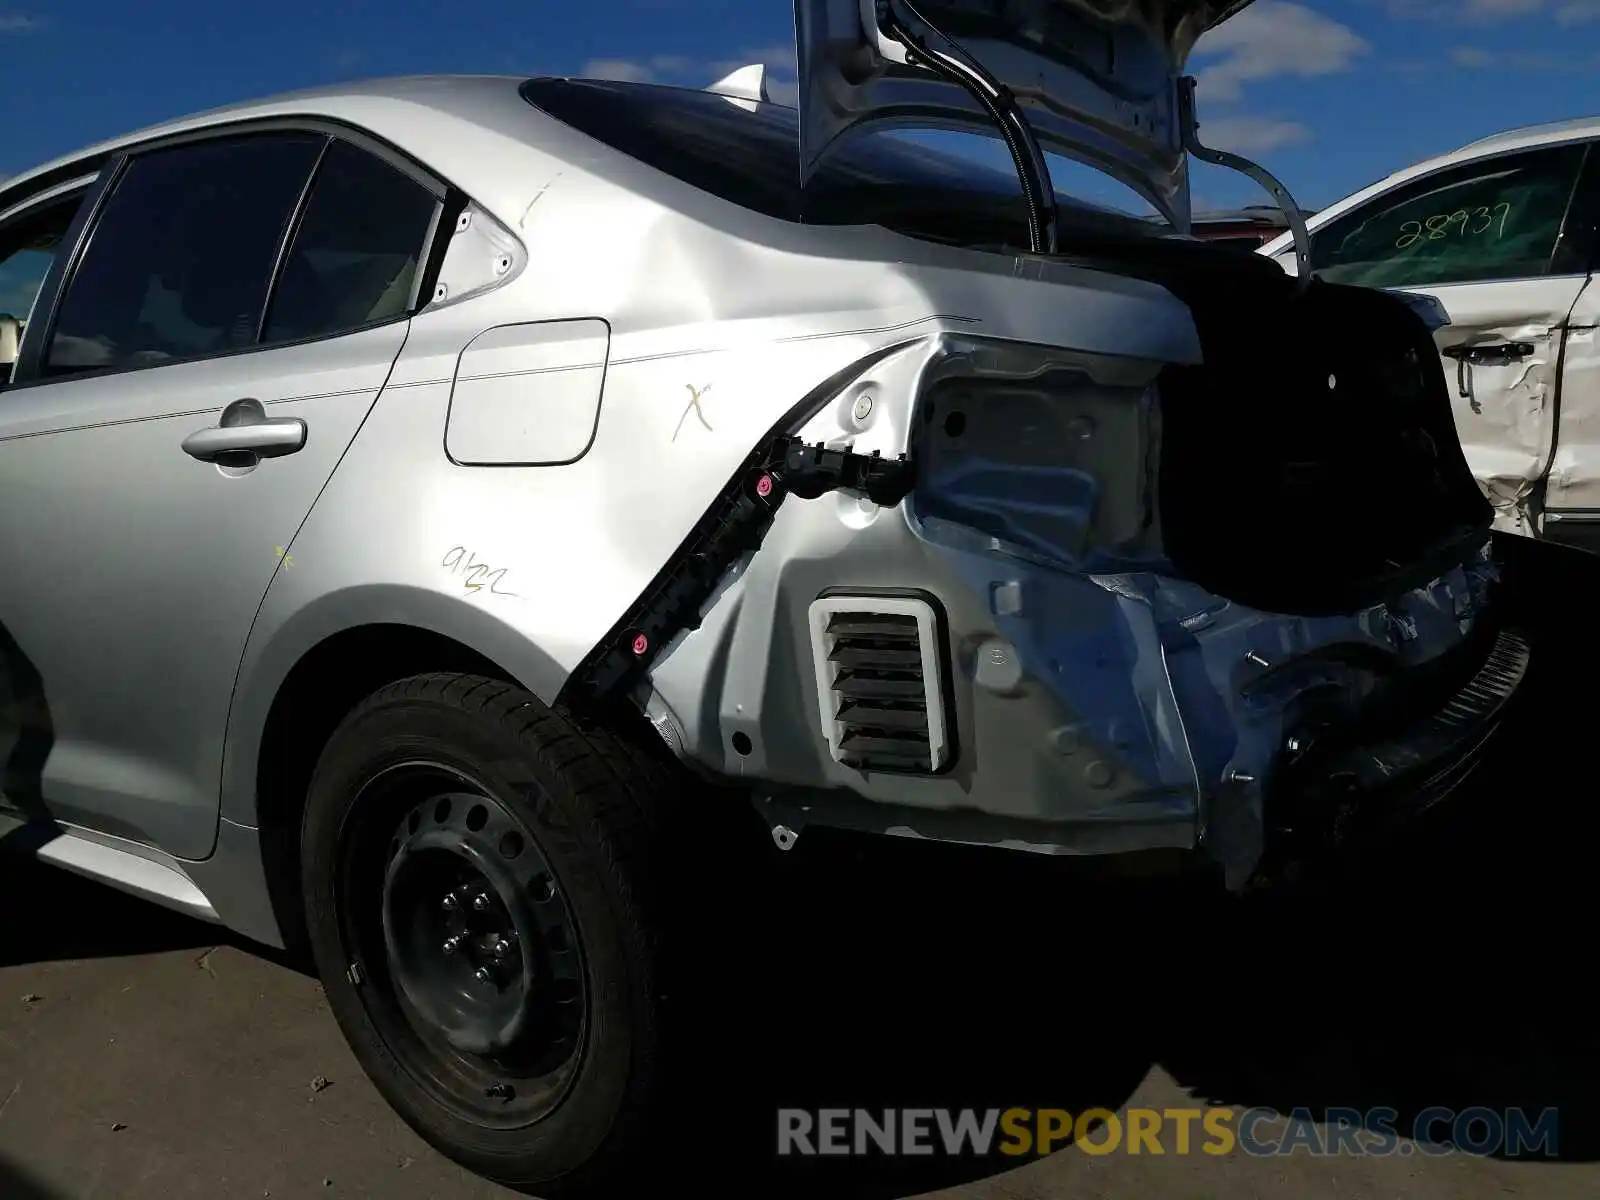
693, 406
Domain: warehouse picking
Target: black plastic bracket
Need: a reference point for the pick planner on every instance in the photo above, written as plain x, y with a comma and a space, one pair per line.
811, 471
734, 525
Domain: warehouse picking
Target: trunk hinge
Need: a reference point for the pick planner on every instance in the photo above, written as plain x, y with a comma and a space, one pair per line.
1233, 162
955, 65
735, 525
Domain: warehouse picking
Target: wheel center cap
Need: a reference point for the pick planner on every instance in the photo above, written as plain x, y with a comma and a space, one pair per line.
459, 952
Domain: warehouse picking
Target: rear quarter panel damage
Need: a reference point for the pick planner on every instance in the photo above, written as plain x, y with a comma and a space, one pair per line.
712, 339
1148, 711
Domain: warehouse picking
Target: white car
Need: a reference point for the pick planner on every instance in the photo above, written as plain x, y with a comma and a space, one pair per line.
1501, 233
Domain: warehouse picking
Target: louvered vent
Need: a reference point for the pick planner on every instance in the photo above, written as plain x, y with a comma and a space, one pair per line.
879, 682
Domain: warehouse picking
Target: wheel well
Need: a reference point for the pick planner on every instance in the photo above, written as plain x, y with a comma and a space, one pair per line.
332, 678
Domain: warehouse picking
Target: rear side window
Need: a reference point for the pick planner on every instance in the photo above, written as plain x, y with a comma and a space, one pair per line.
27, 250
745, 152
181, 258
28, 247
1496, 219
355, 258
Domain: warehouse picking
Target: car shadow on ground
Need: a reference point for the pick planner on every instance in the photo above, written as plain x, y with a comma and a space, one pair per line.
52, 916
903, 975
1446, 971
17, 1184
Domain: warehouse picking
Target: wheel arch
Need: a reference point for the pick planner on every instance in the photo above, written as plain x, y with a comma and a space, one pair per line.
300, 683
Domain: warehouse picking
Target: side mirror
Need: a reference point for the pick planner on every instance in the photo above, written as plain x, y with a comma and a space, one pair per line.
1432, 311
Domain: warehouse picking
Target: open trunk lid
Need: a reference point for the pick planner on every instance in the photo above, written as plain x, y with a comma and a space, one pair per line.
1098, 81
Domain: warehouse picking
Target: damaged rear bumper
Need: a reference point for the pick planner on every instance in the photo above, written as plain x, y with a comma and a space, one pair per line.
1080, 714
1355, 787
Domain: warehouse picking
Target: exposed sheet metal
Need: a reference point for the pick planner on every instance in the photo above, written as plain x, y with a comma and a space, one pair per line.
1147, 713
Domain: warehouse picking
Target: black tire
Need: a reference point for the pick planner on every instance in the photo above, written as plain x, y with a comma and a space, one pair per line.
582, 797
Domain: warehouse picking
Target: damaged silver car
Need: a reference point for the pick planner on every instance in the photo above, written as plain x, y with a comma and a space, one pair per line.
417, 497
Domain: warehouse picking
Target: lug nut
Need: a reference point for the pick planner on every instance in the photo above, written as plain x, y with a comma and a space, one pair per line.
453, 944
450, 903
502, 948
480, 903
483, 975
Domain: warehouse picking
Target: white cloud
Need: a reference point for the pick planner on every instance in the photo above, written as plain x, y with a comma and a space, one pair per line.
1274, 38
1576, 12
1470, 56
777, 57
640, 70
17, 23
622, 70
1253, 135
672, 68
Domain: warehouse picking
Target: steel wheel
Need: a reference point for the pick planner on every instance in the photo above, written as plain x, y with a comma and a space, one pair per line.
449, 899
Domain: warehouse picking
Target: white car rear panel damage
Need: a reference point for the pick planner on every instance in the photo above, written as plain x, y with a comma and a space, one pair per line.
1502, 355
1574, 482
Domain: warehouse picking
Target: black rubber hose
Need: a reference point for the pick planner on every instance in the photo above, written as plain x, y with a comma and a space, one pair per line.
1032, 171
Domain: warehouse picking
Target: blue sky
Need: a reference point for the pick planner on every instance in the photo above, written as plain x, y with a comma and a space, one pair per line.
1329, 95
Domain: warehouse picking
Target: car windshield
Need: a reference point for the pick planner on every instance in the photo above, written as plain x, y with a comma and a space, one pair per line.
748, 153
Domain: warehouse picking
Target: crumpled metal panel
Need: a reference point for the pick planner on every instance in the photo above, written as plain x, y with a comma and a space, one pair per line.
1195, 694
1047, 489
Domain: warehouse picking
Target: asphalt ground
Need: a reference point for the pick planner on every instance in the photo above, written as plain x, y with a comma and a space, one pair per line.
146, 1055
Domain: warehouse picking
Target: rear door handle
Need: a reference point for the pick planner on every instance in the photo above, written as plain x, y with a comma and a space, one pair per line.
1497, 354
243, 436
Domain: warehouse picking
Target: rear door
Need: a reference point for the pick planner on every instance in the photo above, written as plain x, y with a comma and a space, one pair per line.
1572, 491
1488, 240
32, 232
234, 311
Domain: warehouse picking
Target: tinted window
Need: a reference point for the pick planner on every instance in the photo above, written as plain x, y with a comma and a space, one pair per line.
749, 154
1497, 219
179, 262
746, 153
27, 249
355, 257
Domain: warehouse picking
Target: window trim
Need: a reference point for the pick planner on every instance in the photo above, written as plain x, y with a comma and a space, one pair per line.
30, 354
1586, 197
84, 184
1584, 163
1562, 240
47, 196
28, 371
291, 230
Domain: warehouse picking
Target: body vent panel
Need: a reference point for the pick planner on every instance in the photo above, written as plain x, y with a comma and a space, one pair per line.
880, 683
